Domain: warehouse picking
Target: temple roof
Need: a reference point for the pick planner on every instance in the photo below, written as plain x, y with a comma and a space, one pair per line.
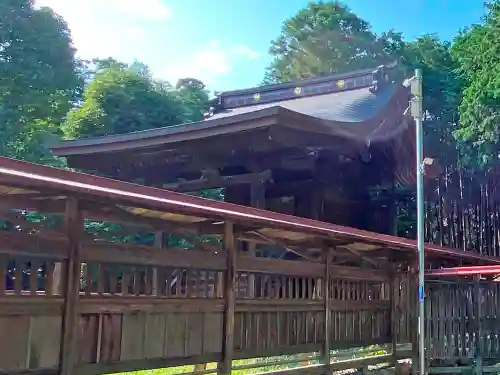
354, 105
349, 115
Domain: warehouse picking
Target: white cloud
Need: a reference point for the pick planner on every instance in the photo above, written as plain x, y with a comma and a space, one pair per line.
104, 28
131, 30
147, 10
208, 63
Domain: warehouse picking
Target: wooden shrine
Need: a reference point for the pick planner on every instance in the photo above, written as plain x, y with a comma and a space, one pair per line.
329, 148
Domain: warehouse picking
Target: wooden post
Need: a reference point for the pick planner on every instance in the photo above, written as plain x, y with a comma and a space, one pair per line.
257, 200
326, 295
394, 289
225, 365
159, 242
74, 231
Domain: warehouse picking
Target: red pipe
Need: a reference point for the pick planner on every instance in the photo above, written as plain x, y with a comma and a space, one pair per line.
464, 271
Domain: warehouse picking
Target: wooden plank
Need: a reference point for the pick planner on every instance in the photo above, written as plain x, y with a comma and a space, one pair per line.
212, 333
34, 305
14, 346
87, 338
154, 337
305, 268
279, 266
133, 335
151, 256
45, 341
128, 303
34, 246
194, 334
110, 338
224, 366
175, 335
74, 230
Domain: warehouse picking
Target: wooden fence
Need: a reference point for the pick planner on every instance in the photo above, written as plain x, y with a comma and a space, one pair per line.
69, 305
463, 321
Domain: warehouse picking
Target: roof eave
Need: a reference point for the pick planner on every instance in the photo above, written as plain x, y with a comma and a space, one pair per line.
246, 121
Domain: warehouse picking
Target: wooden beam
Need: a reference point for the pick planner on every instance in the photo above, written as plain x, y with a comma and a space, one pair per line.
225, 365
74, 230
213, 182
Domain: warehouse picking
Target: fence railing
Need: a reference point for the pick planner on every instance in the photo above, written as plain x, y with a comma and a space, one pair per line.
140, 307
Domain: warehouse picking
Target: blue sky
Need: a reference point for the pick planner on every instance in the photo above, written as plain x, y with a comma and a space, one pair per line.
225, 42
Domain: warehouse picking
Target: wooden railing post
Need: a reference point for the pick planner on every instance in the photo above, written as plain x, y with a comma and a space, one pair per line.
326, 295
224, 366
74, 230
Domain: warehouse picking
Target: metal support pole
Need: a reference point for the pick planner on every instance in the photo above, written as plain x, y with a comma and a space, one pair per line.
416, 110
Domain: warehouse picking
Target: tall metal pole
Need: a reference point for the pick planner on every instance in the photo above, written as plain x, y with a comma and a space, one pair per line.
416, 107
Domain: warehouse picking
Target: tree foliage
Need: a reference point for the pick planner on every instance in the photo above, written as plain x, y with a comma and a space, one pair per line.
121, 99
442, 88
477, 53
326, 37
38, 78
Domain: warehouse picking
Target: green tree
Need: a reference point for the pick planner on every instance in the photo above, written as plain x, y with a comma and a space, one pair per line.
121, 99
441, 97
326, 37
38, 78
194, 97
477, 53
442, 89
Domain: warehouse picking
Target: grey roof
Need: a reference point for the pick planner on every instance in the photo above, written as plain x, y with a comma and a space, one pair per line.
346, 106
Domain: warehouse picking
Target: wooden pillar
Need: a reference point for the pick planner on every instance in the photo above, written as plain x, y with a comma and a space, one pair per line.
224, 366
326, 295
74, 230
